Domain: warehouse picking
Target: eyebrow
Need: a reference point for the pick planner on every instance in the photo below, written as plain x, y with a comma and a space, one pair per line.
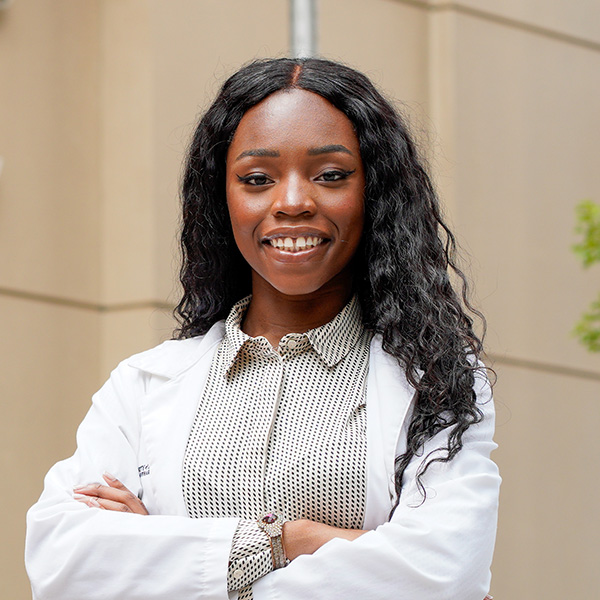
259, 152
329, 149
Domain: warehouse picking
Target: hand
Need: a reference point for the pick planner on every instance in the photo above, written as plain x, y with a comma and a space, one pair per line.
114, 496
305, 537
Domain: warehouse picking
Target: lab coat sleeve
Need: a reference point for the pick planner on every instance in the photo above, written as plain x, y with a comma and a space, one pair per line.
440, 549
74, 552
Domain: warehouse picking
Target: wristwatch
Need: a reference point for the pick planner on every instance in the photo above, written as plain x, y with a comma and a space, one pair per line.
272, 525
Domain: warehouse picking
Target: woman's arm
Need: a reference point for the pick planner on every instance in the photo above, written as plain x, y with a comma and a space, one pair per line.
306, 537
74, 552
440, 549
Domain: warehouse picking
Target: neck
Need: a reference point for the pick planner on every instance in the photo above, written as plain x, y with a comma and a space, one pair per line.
272, 314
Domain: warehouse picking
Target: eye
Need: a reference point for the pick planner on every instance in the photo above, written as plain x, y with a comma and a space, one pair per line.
334, 175
255, 179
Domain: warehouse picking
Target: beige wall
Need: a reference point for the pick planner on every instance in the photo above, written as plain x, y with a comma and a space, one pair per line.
97, 103
50, 245
98, 100
525, 151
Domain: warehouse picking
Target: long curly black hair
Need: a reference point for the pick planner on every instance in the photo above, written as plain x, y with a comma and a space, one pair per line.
403, 263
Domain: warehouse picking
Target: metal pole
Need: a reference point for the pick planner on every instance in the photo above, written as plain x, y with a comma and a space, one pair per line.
303, 27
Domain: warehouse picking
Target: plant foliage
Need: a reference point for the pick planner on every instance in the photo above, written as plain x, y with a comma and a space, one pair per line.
587, 329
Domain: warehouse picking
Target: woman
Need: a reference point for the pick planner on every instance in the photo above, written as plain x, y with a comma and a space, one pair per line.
331, 438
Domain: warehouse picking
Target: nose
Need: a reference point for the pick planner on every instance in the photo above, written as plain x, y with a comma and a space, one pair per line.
293, 198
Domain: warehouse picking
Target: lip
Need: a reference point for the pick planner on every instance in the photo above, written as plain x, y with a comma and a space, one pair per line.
298, 256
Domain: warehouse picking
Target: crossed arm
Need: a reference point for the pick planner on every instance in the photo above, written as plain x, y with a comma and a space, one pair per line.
299, 537
440, 550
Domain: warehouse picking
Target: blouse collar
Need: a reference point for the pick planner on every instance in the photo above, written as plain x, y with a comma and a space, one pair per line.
332, 341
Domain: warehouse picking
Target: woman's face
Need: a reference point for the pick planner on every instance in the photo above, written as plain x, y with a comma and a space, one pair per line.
295, 186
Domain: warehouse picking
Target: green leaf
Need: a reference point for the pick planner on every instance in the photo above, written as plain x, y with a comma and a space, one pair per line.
588, 227
588, 327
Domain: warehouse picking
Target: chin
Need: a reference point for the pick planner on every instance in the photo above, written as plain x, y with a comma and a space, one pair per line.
294, 285
297, 290
301, 282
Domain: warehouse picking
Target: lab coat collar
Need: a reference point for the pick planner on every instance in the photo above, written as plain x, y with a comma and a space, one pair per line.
173, 357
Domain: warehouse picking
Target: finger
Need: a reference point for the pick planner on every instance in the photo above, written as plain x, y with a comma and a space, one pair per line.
99, 490
102, 503
106, 504
104, 491
122, 496
115, 506
135, 502
87, 500
113, 482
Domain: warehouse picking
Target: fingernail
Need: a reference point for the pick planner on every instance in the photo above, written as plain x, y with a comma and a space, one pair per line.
81, 486
80, 496
95, 502
109, 476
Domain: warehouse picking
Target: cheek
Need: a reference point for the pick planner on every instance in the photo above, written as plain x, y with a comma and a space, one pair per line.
243, 216
244, 224
353, 222
244, 239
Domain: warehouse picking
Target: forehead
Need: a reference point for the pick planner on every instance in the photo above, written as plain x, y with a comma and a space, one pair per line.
294, 117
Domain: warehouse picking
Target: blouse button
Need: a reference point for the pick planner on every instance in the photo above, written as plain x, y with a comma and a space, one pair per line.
237, 573
292, 344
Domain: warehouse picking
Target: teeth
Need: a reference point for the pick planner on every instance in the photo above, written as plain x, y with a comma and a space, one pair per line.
295, 245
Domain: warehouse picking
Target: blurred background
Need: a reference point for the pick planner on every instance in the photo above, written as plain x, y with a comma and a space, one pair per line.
97, 102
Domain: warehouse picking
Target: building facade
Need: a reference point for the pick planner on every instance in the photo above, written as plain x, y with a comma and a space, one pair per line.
97, 104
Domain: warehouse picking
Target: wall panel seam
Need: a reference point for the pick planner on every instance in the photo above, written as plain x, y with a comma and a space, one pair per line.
510, 22
542, 366
83, 304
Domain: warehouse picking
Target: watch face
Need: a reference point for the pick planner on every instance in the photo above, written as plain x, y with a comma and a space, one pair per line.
271, 524
269, 518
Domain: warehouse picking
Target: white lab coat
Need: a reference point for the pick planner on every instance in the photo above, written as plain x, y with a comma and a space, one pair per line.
137, 429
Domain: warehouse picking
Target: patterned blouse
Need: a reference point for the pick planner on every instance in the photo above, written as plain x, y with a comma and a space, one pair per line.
280, 430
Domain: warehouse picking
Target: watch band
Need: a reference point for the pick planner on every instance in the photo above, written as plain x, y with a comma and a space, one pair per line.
272, 525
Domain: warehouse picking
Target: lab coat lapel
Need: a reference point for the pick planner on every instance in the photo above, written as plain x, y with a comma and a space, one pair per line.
389, 396
167, 414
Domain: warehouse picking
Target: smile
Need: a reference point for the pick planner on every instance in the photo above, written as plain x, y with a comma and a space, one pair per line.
289, 244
